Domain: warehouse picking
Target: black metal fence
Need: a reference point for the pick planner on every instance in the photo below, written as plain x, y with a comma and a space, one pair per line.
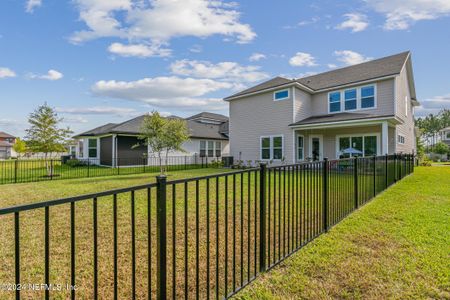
202, 238
32, 170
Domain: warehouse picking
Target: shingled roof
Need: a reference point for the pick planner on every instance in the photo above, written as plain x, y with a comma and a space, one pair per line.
6, 135
378, 68
196, 129
339, 117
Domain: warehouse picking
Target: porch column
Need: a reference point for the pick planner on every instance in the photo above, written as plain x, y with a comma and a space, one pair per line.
384, 138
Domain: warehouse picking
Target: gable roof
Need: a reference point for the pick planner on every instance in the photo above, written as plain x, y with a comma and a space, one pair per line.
378, 68
6, 135
196, 129
208, 115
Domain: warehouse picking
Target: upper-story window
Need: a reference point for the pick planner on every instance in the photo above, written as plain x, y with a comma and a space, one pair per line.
281, 95
352, 99
448, 135
368, 96
335, 101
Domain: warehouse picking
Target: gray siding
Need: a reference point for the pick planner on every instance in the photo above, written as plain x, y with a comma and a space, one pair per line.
385, 97
302, 105
256, 116
407, 128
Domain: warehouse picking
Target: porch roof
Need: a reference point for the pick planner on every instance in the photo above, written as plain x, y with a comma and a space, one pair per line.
340, 118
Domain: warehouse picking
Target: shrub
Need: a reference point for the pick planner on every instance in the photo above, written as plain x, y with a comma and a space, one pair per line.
216, 164
74, 163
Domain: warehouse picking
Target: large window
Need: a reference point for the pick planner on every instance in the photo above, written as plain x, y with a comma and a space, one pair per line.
353, 146
335, 101
92, 148
281, 95
448, 135
210, 148
300, 148
272, 147
350, 99
368, 96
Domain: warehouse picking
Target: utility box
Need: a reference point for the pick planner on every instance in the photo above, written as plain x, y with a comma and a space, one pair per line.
227, 161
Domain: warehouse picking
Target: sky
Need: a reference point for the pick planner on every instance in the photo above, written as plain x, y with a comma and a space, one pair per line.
102, 61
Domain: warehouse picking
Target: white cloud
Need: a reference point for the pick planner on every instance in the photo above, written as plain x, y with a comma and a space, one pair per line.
165, 91
433, 105
31, 5
97, 110
6, 72
138, 50
257, 57
332, 66
356, 22
230, 71
302, 59
157, 22
400, 14
196, 49
51, 75
349, 57
75, 120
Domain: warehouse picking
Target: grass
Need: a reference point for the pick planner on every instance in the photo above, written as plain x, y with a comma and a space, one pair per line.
12, 171
395, 247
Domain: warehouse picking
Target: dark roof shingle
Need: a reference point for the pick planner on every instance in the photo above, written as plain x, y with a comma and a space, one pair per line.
6, 135
339, 117
373, 69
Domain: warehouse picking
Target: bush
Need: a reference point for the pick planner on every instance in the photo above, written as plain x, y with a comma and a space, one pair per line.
74, 163
425, 162
216, 164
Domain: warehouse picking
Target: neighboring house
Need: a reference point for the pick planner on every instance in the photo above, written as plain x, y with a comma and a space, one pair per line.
445, 135
369, 107
102, 145
6, 143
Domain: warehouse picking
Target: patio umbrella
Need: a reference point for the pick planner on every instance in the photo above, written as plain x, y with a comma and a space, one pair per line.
351, 151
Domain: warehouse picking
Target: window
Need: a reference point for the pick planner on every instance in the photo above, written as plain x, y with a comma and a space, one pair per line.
400, 139
265, 148
354, 146
210, 148
335, 101
368, 96
448, 135
218, 149
202, 148
350, 99
272, 147
300, 152
92, 148
281, 95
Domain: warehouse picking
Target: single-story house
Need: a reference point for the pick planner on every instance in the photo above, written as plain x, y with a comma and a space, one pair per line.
115, 144
6, 143
368, 107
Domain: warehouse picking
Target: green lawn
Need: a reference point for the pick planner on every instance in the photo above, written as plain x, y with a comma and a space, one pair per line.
395, 247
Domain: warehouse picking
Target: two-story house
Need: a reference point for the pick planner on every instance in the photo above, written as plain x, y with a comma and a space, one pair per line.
6, 143
365, 109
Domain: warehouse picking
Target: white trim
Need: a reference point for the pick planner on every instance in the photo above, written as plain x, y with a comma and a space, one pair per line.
363, 135
358, 98
271, 147
296, 147
395, 95
280, 91
293, 104
368, 121
385, 138
320, 136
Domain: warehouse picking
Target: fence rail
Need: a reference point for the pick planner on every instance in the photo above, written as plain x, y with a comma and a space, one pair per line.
28, 170
202, 238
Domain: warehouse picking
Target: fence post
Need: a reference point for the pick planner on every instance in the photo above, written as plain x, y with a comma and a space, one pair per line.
355, 175
161, 237
118, 166
386, 171
89, 163
51, 169
185, 158
15, 170
374, 175
143, 163
413, 159
262, 217
325, 194
395, 167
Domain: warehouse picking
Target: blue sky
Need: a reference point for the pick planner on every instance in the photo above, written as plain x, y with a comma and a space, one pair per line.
99, 61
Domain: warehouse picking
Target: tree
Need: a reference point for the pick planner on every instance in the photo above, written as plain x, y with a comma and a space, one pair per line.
163, 135
20, 147
44, 134
441, 148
